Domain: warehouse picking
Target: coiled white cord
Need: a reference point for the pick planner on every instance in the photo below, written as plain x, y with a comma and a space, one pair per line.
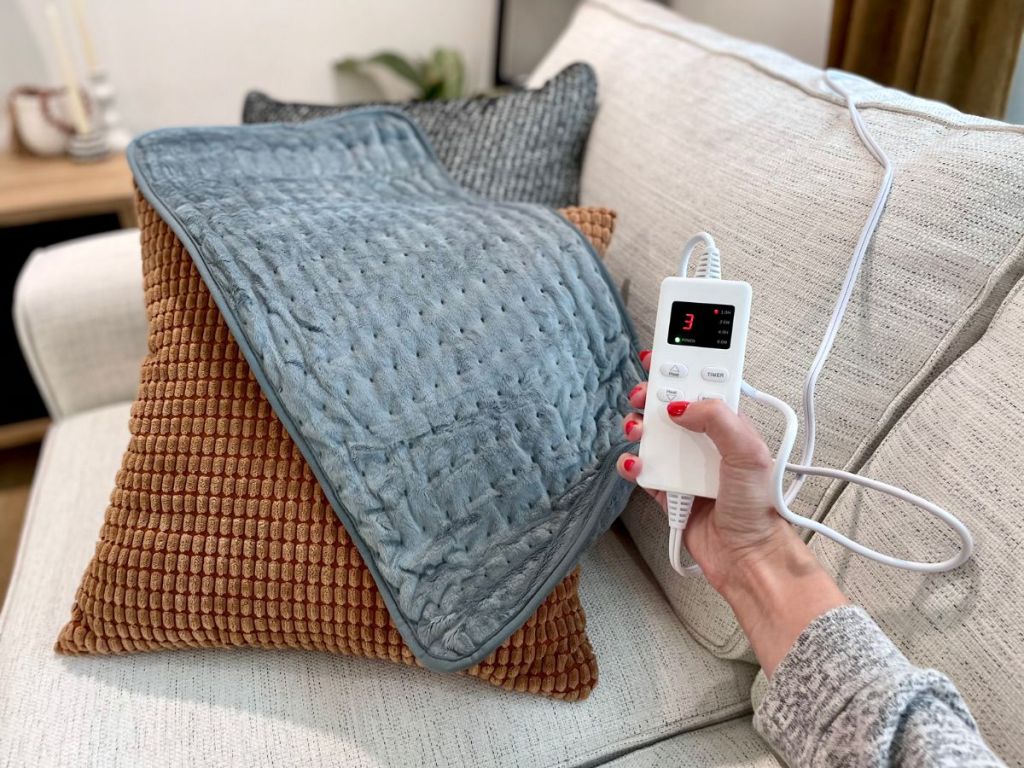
781, 505
680, 505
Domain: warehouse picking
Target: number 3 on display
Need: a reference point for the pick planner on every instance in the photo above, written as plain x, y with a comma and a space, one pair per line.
688, 323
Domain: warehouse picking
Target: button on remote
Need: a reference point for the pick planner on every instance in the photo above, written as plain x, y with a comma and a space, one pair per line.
668, 395
677, 370
710, 373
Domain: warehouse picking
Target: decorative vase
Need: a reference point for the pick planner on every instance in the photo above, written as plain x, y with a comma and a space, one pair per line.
40, 118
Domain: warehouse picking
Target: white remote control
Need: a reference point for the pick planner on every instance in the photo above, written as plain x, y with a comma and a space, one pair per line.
700, 337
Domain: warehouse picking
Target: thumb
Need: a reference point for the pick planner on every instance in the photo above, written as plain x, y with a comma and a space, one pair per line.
735, 438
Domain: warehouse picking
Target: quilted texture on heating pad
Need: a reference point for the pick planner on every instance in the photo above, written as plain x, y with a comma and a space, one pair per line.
471, 487
246, 551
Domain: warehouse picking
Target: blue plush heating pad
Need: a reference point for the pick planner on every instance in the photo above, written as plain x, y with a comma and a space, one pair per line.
454, 370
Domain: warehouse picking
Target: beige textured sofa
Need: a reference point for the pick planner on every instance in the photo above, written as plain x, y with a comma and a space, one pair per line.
925, 389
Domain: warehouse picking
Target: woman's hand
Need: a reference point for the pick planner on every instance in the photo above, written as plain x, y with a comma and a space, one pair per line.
739, 525
749, 554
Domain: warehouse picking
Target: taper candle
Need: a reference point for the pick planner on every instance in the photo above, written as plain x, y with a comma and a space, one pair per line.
67, 71
88, 49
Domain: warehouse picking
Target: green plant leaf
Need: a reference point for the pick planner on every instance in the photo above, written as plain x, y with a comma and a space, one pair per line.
442, 75
433, 91
451, 72
349, 65
387, 59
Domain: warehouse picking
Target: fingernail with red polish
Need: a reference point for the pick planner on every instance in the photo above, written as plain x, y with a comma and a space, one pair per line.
634, 390
678, 408
644, 355
628, 426
628, 464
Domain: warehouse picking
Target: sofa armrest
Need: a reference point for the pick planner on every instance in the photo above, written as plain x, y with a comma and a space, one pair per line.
81, 321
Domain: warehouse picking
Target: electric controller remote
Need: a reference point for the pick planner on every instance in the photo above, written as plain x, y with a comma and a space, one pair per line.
700, 337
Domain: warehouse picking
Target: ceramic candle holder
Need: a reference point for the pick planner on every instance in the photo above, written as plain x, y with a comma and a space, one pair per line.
88, 147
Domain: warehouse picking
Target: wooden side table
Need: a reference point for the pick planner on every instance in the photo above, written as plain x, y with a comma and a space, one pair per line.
35, 190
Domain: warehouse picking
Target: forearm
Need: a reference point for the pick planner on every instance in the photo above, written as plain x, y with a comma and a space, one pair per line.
840, 691
777, 593
845, 695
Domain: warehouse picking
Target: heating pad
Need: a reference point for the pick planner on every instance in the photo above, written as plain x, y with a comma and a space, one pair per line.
452, 369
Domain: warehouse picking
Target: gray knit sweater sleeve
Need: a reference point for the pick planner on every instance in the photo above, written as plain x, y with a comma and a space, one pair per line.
845, 695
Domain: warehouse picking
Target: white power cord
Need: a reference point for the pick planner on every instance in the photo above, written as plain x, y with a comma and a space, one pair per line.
781, 465
680, 505
846, 291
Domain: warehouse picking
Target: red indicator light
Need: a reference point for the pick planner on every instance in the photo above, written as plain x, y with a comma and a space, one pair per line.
715, 311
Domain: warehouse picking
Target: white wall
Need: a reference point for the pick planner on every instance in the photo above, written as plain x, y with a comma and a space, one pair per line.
177, 62
798, 27
20, 58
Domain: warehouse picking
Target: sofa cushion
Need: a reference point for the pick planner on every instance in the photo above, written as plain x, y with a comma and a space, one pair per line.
248, 706
732, 743
959, 444
219, 535
524, 146
700, 131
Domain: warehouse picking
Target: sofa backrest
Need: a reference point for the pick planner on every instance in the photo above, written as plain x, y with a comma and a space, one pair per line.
963, 441
699, 131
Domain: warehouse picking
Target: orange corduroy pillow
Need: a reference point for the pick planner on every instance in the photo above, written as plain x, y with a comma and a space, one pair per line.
218, 535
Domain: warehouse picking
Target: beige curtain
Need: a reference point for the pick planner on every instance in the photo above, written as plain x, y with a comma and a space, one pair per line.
962, 52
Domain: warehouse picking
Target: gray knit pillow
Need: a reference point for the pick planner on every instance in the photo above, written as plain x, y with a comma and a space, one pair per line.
524, 146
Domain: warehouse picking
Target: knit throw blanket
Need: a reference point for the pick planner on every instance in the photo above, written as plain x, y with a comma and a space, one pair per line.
452, 369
